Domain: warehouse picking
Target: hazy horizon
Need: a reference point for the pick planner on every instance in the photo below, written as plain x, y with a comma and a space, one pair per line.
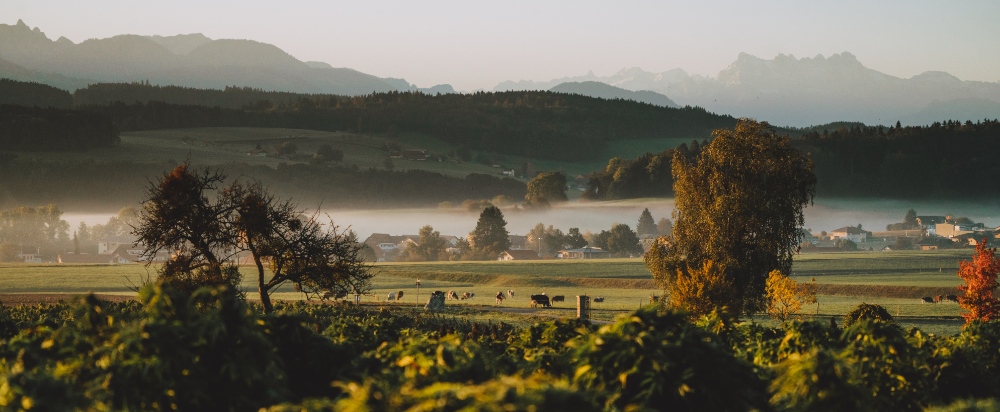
472, 46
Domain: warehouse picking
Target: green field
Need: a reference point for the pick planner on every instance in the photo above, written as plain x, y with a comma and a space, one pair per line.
219, 145
624, 283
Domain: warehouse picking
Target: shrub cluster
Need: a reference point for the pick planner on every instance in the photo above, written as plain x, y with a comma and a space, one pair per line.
210, 351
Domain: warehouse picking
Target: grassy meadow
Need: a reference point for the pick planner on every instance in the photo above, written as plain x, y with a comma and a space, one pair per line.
624, 283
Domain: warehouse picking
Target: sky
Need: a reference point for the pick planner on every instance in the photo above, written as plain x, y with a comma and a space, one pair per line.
475, 44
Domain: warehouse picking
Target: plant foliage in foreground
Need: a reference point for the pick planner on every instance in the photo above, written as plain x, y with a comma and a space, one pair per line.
210, 351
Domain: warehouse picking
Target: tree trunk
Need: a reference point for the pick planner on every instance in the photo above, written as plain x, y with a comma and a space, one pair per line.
262, 287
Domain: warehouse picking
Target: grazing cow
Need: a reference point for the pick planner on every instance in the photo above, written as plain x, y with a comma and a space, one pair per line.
500, 298
392, 296
951, 298
937, 299
559, 298
468, 295
540, 300
599, 300
510, 293
533, 304
927, 299
399, 296
335, 296
452, 295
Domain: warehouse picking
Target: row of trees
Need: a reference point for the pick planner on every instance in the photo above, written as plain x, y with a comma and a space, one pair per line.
33, 94
648, 175
534, 124
905, 162
31, 229
50, 129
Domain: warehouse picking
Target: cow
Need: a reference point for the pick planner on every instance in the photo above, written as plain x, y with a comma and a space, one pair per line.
540, 300
599, 300
533, 304
927, 299
559, 298
937, 299
335, 296
399, 296
510, 293
452, 295
392, 296
653, 299
500, 298
951, 298
468, 295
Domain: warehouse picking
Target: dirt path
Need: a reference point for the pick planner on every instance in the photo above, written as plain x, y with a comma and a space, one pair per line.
570, 312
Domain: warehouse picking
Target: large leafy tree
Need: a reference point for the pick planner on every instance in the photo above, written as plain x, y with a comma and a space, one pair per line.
430, 247
210, 235
623, 242
739, 204
550, 186
490, 238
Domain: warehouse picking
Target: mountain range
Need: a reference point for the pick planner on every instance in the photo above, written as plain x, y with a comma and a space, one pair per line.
191, 60
785, 90
801, 92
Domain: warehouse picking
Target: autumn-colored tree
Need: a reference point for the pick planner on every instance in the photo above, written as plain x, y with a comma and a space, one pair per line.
980, 278
739, 204
785, 296
700, 290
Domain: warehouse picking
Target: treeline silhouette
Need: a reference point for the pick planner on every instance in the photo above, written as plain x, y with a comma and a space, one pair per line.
89, 185
232, 97
945, 159
949, 158
33, 94
536, 124
648, 175
46, 129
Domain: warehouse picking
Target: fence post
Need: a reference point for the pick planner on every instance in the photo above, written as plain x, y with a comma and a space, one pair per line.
583, 307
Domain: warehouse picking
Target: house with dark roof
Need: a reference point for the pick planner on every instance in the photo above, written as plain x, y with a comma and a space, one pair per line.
518, 254
930, 223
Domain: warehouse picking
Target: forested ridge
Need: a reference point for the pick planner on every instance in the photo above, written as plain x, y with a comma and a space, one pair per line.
33, 94
533, 124
50, 128
910, 162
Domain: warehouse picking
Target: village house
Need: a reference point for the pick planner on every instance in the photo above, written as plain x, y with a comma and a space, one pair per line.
110, 243
518, 254
850, 233
584, 253
951, 230
930, 223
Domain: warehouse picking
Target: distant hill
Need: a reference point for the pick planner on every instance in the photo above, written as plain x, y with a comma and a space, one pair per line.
181, 44
606, 91
12, 71
798, 92
191, 60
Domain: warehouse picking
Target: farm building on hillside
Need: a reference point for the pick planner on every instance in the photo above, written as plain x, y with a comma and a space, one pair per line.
850, 233
415, 154
519, 254
584, 253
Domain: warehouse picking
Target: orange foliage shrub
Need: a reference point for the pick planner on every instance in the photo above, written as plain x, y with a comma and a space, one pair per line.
980, 278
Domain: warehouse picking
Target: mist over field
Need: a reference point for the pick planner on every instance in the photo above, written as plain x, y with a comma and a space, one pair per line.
823, 215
